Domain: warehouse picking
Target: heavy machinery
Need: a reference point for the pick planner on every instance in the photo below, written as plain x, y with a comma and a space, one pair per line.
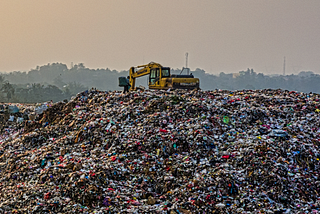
160, 77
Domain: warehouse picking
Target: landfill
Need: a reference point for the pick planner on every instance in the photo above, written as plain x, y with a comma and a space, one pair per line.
176, 152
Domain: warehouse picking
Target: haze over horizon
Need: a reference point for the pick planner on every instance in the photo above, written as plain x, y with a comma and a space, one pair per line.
219, 35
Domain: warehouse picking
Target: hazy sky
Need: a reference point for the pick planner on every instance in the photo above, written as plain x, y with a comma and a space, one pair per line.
219, 35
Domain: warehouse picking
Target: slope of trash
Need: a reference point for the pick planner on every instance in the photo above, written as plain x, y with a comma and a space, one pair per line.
165, 152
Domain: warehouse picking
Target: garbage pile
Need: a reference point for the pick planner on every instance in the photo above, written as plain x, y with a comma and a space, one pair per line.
14, 116
166, 152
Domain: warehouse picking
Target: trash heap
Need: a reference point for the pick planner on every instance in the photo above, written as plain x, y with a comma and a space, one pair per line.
166, 152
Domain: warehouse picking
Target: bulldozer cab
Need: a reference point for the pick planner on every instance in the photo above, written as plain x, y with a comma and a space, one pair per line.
156, 74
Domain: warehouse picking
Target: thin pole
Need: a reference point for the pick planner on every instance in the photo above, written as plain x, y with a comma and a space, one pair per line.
187, 63
284, 66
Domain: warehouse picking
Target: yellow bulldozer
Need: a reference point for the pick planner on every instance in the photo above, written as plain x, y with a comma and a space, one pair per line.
160, 78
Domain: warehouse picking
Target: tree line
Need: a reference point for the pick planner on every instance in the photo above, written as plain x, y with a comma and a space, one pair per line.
305, 81
56, 82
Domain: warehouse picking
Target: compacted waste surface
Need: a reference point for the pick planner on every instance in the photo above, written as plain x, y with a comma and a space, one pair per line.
165, 152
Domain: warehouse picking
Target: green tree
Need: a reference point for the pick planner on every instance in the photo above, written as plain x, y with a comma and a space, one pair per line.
1, 83
8, 90
58, 81
73, 88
